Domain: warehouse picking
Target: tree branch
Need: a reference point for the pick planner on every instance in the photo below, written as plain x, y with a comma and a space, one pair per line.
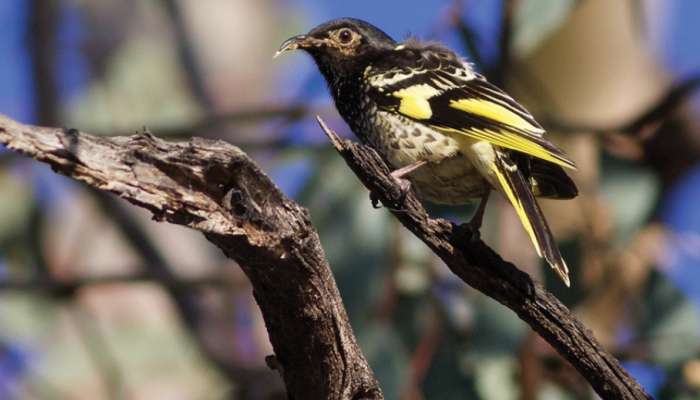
482, 268
215, 188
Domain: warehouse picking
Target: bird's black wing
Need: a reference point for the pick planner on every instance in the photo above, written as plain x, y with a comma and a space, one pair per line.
440, 90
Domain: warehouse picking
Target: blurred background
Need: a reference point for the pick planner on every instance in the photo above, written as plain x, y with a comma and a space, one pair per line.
99, 302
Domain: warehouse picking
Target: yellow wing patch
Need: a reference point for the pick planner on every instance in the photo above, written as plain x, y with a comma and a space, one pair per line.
514, 141
517, 205
495, 112
414, 101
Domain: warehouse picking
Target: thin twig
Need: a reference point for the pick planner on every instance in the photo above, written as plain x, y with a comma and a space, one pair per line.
188, 58
41, 32
389, 299
505, 41
423, 356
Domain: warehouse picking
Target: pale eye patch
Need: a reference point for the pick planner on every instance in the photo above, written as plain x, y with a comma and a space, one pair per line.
345, 37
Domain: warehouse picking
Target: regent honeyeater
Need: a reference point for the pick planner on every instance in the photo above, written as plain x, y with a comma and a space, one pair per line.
446, 131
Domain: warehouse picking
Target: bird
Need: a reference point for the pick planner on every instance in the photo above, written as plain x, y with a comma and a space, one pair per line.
442, 127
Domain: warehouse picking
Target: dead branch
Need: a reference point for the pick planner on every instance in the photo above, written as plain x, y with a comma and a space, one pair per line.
482, 268
215, 188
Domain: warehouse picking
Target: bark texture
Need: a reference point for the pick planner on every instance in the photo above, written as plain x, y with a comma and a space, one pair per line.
214, 187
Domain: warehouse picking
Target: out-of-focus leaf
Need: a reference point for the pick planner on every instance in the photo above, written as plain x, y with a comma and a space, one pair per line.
676, 386
670, 327
15, 205
495, 378
458, 309
412, 316
157, 356
496, 337
412, 278
631, 192
26, 317
354, 236
553, 392
691, 373
143, 88
498, 331
535, 20
387, 356
414, 274
448, 377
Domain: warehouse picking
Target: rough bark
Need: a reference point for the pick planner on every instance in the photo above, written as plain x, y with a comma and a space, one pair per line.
213, 187
482, 268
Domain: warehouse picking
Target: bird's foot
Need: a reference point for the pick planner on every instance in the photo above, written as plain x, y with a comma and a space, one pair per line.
404, 188
474, 225
474, 230
465, 235
375, 200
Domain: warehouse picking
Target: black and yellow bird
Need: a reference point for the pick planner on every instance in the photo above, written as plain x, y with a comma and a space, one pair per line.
448, 133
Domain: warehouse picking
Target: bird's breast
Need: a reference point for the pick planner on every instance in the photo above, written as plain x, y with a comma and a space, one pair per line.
448, 178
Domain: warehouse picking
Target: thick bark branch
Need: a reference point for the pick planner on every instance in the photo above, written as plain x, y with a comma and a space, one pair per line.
480, 267
215, 188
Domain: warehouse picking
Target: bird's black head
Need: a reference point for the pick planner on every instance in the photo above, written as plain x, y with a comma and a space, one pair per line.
341, 47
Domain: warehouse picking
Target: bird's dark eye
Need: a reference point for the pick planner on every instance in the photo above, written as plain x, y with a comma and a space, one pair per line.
345, 36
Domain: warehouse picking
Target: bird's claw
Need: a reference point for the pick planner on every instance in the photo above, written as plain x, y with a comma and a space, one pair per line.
473, 230
404, 188
375, 200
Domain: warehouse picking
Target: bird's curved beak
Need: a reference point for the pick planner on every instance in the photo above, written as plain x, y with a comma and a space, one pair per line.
293, 43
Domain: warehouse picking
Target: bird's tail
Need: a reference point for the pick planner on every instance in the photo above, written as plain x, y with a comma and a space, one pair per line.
550, 180
514, 186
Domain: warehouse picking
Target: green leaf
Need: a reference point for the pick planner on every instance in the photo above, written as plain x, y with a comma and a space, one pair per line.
388, 358
670, 325
15, 204
535, 20
631, 193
